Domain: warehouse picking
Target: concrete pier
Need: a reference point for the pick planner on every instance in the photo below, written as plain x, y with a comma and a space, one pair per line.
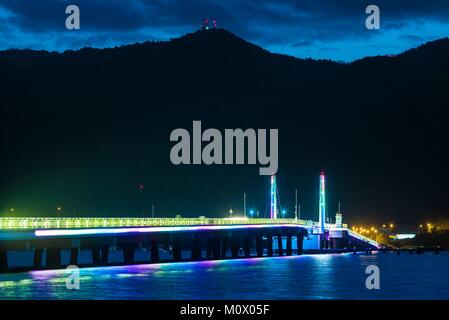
216, 246
176, 247
289, 250
196, 248
3, 259
53, 258
247, 244
37, 258
104, 258
259, 245
235, 244
210, 247
299, 242
128, 254
280, 249
154, 248
74, 256
95, 256
224, 246
269, 244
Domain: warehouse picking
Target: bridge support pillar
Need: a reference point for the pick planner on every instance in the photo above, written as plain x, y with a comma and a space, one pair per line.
196, 248
280, 248
289, 250
3, 259
247, 245
270, 245
335, 243
224, 246
74, 256
177, 249
154, 251
104, 259
344, 241
259, 245
235, 244
213, 247
210, 247
53, 258
128, 254
37, 259
216, 241
322, 242
95, 251
299, 242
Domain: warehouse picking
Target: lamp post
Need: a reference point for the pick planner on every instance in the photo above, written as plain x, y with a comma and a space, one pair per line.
244, 204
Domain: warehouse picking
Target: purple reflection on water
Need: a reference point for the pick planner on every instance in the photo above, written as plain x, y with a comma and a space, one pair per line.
334, 276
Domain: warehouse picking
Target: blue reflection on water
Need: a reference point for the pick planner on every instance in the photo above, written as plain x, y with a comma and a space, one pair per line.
336, 276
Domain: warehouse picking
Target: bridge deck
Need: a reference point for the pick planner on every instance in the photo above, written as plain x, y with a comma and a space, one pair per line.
49, 226
30, 223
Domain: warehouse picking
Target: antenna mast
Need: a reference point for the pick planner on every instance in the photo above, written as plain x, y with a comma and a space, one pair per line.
296, 204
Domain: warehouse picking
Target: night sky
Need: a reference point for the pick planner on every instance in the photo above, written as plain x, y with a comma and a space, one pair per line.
89, 130
332, 29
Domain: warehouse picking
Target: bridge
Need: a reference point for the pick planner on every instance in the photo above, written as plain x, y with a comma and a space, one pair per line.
57, 242
184, 239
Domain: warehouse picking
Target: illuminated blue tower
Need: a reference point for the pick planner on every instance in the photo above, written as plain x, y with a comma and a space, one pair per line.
273, 197
322, 208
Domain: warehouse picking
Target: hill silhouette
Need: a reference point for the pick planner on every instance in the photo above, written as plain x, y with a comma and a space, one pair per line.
83, 128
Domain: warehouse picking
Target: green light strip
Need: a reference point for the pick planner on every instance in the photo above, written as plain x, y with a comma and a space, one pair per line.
30, 223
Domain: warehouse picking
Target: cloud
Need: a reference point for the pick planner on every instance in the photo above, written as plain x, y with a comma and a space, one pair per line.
287, 26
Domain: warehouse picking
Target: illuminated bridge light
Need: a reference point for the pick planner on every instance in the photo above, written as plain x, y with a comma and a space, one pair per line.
102, 231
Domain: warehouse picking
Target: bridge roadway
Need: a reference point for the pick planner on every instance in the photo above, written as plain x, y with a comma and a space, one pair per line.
23, 223
204, 238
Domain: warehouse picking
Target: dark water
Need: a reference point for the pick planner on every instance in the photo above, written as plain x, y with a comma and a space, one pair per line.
299, 277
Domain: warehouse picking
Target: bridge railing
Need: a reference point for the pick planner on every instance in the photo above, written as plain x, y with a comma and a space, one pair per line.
30, 223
